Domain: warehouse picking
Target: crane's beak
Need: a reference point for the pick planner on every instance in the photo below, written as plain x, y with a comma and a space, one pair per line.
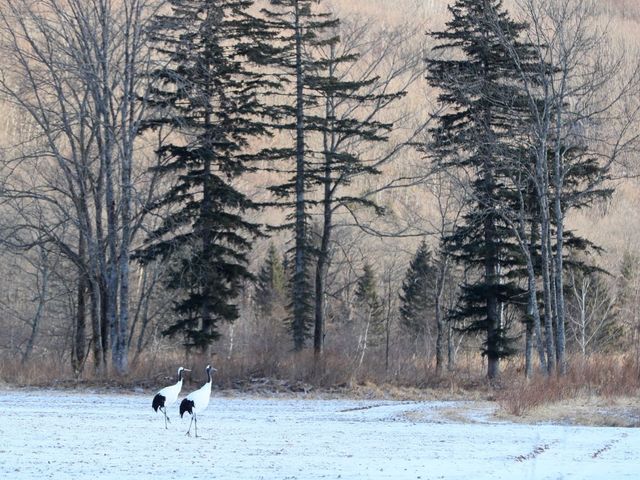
186, 370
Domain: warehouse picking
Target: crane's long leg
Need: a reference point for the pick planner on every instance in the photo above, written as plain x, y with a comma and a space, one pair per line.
189, 431
166, 419
196, 420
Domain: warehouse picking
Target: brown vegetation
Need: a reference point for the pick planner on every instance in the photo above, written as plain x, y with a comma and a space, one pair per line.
603, 381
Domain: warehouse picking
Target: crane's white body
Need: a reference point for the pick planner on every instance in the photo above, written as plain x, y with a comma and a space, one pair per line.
197, 401
168, 396
171, 393
201, 397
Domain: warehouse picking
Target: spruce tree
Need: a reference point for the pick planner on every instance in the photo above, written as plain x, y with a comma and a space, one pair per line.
271, 284
370, 307
205, 93
481, 90
296, 27
417, 309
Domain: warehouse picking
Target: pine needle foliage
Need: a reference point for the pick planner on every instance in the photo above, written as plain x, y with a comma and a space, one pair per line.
481, 89
296, 27
205, 94
418, 293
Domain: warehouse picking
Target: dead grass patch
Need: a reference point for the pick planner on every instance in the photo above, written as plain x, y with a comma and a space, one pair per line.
584, 411
598, 391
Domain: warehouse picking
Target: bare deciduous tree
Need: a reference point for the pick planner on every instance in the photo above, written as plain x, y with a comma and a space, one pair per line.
76, 69
581, 107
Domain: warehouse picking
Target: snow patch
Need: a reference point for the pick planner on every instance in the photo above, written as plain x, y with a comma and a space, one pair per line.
51, 434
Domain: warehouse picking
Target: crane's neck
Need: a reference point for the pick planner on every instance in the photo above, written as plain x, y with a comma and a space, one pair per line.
180, 375
208, 376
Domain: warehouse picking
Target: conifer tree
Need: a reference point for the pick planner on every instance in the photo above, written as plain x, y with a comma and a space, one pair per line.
370, 307
204, 91
271, 284
296, 27
417, 309
481, 90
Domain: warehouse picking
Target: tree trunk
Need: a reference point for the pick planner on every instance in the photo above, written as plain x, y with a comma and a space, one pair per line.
299, 280
440, 320
329, 144
387, 332
548, 308
205, 233
104, 323
100, 87
123, 273
533, 297
559, 265
111, 279
542, 186
42, 299
451, 349
492, 304
528, 350
137, 311
79, 334
129, 130
362, 347
583, 322
580, 296
96, 326
321, 271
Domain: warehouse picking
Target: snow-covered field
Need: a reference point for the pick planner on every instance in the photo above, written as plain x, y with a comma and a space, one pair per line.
50, 434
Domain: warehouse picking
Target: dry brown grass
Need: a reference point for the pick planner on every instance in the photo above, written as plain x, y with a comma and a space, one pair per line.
522, 396
585, 410
602, 377
596, 391
41, 372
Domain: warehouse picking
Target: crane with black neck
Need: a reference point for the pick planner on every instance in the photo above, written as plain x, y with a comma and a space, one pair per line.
168, 395
197, 401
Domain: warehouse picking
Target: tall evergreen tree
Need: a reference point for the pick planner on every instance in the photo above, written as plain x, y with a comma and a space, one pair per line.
204, 91
296, 27
480, 86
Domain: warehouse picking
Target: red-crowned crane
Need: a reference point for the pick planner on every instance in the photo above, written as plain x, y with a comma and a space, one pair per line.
168, 395
197, 401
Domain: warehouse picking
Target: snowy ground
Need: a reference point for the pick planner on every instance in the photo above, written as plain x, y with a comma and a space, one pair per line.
48, 434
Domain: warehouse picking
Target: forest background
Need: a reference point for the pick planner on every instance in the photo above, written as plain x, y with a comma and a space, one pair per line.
369, 336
